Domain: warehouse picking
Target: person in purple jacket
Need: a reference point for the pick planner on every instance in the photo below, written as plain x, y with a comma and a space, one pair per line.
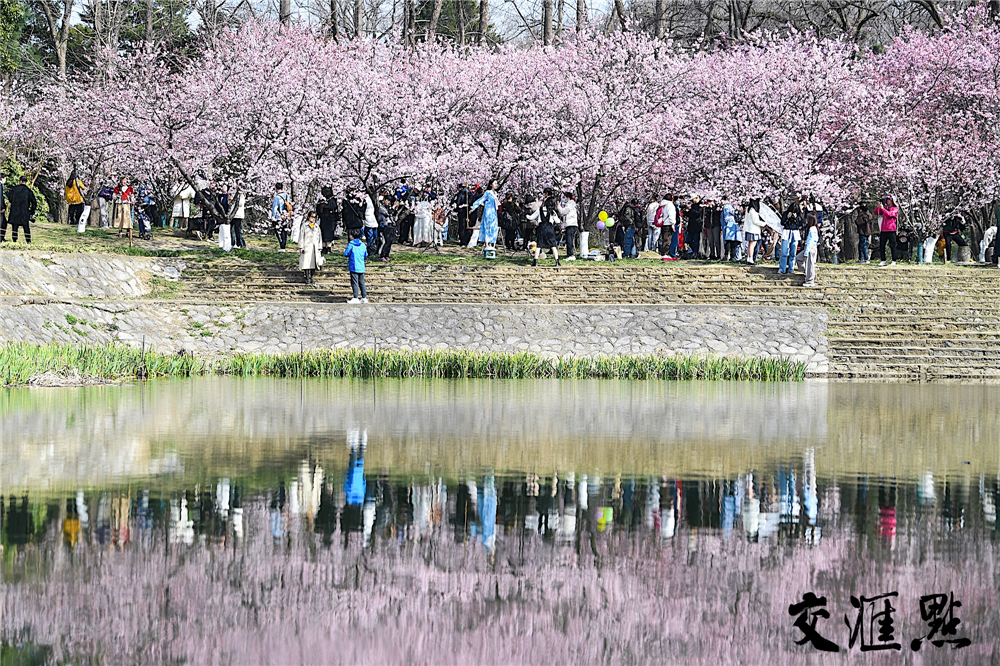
887, 230
356, 253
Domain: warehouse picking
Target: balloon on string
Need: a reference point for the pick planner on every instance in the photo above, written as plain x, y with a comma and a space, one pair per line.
610, 222
601, 225
603, 216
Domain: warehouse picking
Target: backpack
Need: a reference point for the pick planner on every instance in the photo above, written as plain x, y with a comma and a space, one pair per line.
658, 220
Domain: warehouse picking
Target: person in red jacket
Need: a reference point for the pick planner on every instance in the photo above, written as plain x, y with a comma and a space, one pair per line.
887, 230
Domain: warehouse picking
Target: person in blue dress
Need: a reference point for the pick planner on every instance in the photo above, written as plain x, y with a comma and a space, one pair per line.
489, 225
730, 232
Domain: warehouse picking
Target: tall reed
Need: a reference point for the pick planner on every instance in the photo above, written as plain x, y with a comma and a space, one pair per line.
19, 362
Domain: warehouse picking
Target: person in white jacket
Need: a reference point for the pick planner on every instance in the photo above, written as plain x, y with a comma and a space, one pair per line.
668, 217
371, 225
653, 236
751, 228
181, 210
567, 212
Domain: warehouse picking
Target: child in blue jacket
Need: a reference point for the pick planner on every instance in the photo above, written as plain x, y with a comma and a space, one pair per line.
356, 253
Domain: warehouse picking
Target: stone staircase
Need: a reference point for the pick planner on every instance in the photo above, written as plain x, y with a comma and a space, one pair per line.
904, 322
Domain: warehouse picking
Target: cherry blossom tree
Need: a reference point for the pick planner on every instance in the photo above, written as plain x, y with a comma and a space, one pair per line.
612, 116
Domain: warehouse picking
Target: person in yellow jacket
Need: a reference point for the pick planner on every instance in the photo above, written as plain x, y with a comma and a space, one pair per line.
75, 192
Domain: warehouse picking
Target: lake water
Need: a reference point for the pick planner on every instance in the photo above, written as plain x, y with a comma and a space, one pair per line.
243, 521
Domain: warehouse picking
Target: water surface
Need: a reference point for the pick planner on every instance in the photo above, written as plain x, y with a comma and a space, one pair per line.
329, 521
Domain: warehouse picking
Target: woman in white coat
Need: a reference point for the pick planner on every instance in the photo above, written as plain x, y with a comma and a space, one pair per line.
310, 248
423, 222
183, 196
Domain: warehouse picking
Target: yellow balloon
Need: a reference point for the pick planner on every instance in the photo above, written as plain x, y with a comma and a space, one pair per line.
603, 216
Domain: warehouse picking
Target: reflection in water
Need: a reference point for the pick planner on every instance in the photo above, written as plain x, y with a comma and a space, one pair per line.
686, 547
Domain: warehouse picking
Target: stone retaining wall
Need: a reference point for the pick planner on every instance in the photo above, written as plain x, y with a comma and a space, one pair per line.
62, 275
556, 330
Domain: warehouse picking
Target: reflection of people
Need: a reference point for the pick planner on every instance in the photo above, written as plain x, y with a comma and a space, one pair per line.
71, 524
355, 486
887, 513
277, 512
751, 511
488, 512
18, 522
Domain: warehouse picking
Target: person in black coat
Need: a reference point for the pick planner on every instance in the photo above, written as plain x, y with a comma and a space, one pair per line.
329, 217
353, 212
21, 207
510, 218
695, 224
462, 202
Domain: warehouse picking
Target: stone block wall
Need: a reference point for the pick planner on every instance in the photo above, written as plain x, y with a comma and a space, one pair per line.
552, 330
63, 275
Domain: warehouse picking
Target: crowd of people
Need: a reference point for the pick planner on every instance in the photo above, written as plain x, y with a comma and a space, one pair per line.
537, 223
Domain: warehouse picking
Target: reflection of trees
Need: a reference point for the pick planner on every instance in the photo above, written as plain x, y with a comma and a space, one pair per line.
659, 554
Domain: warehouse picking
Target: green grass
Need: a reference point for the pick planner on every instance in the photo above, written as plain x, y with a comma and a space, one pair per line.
19, 362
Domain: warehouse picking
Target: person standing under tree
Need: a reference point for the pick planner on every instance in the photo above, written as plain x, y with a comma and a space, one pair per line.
652, 230
730, 232
462, 212
310, 248
329, 216
567, 211
791, 222
545, 234
75, 192
695, 225
811, 249
887, 230
510, 217
121, 218
281, 214
863, 222
387, 227
752, 229
20, 208
952, 231
489, 226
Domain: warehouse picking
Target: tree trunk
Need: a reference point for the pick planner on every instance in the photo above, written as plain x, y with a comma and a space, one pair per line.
357, 18
620, 10
59, 31
581, 14
461, 22
546, 22
149, 22
334, 20
285, 12
484, 17
849, 248
660, 19
435, 17
559, 18
410, 22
